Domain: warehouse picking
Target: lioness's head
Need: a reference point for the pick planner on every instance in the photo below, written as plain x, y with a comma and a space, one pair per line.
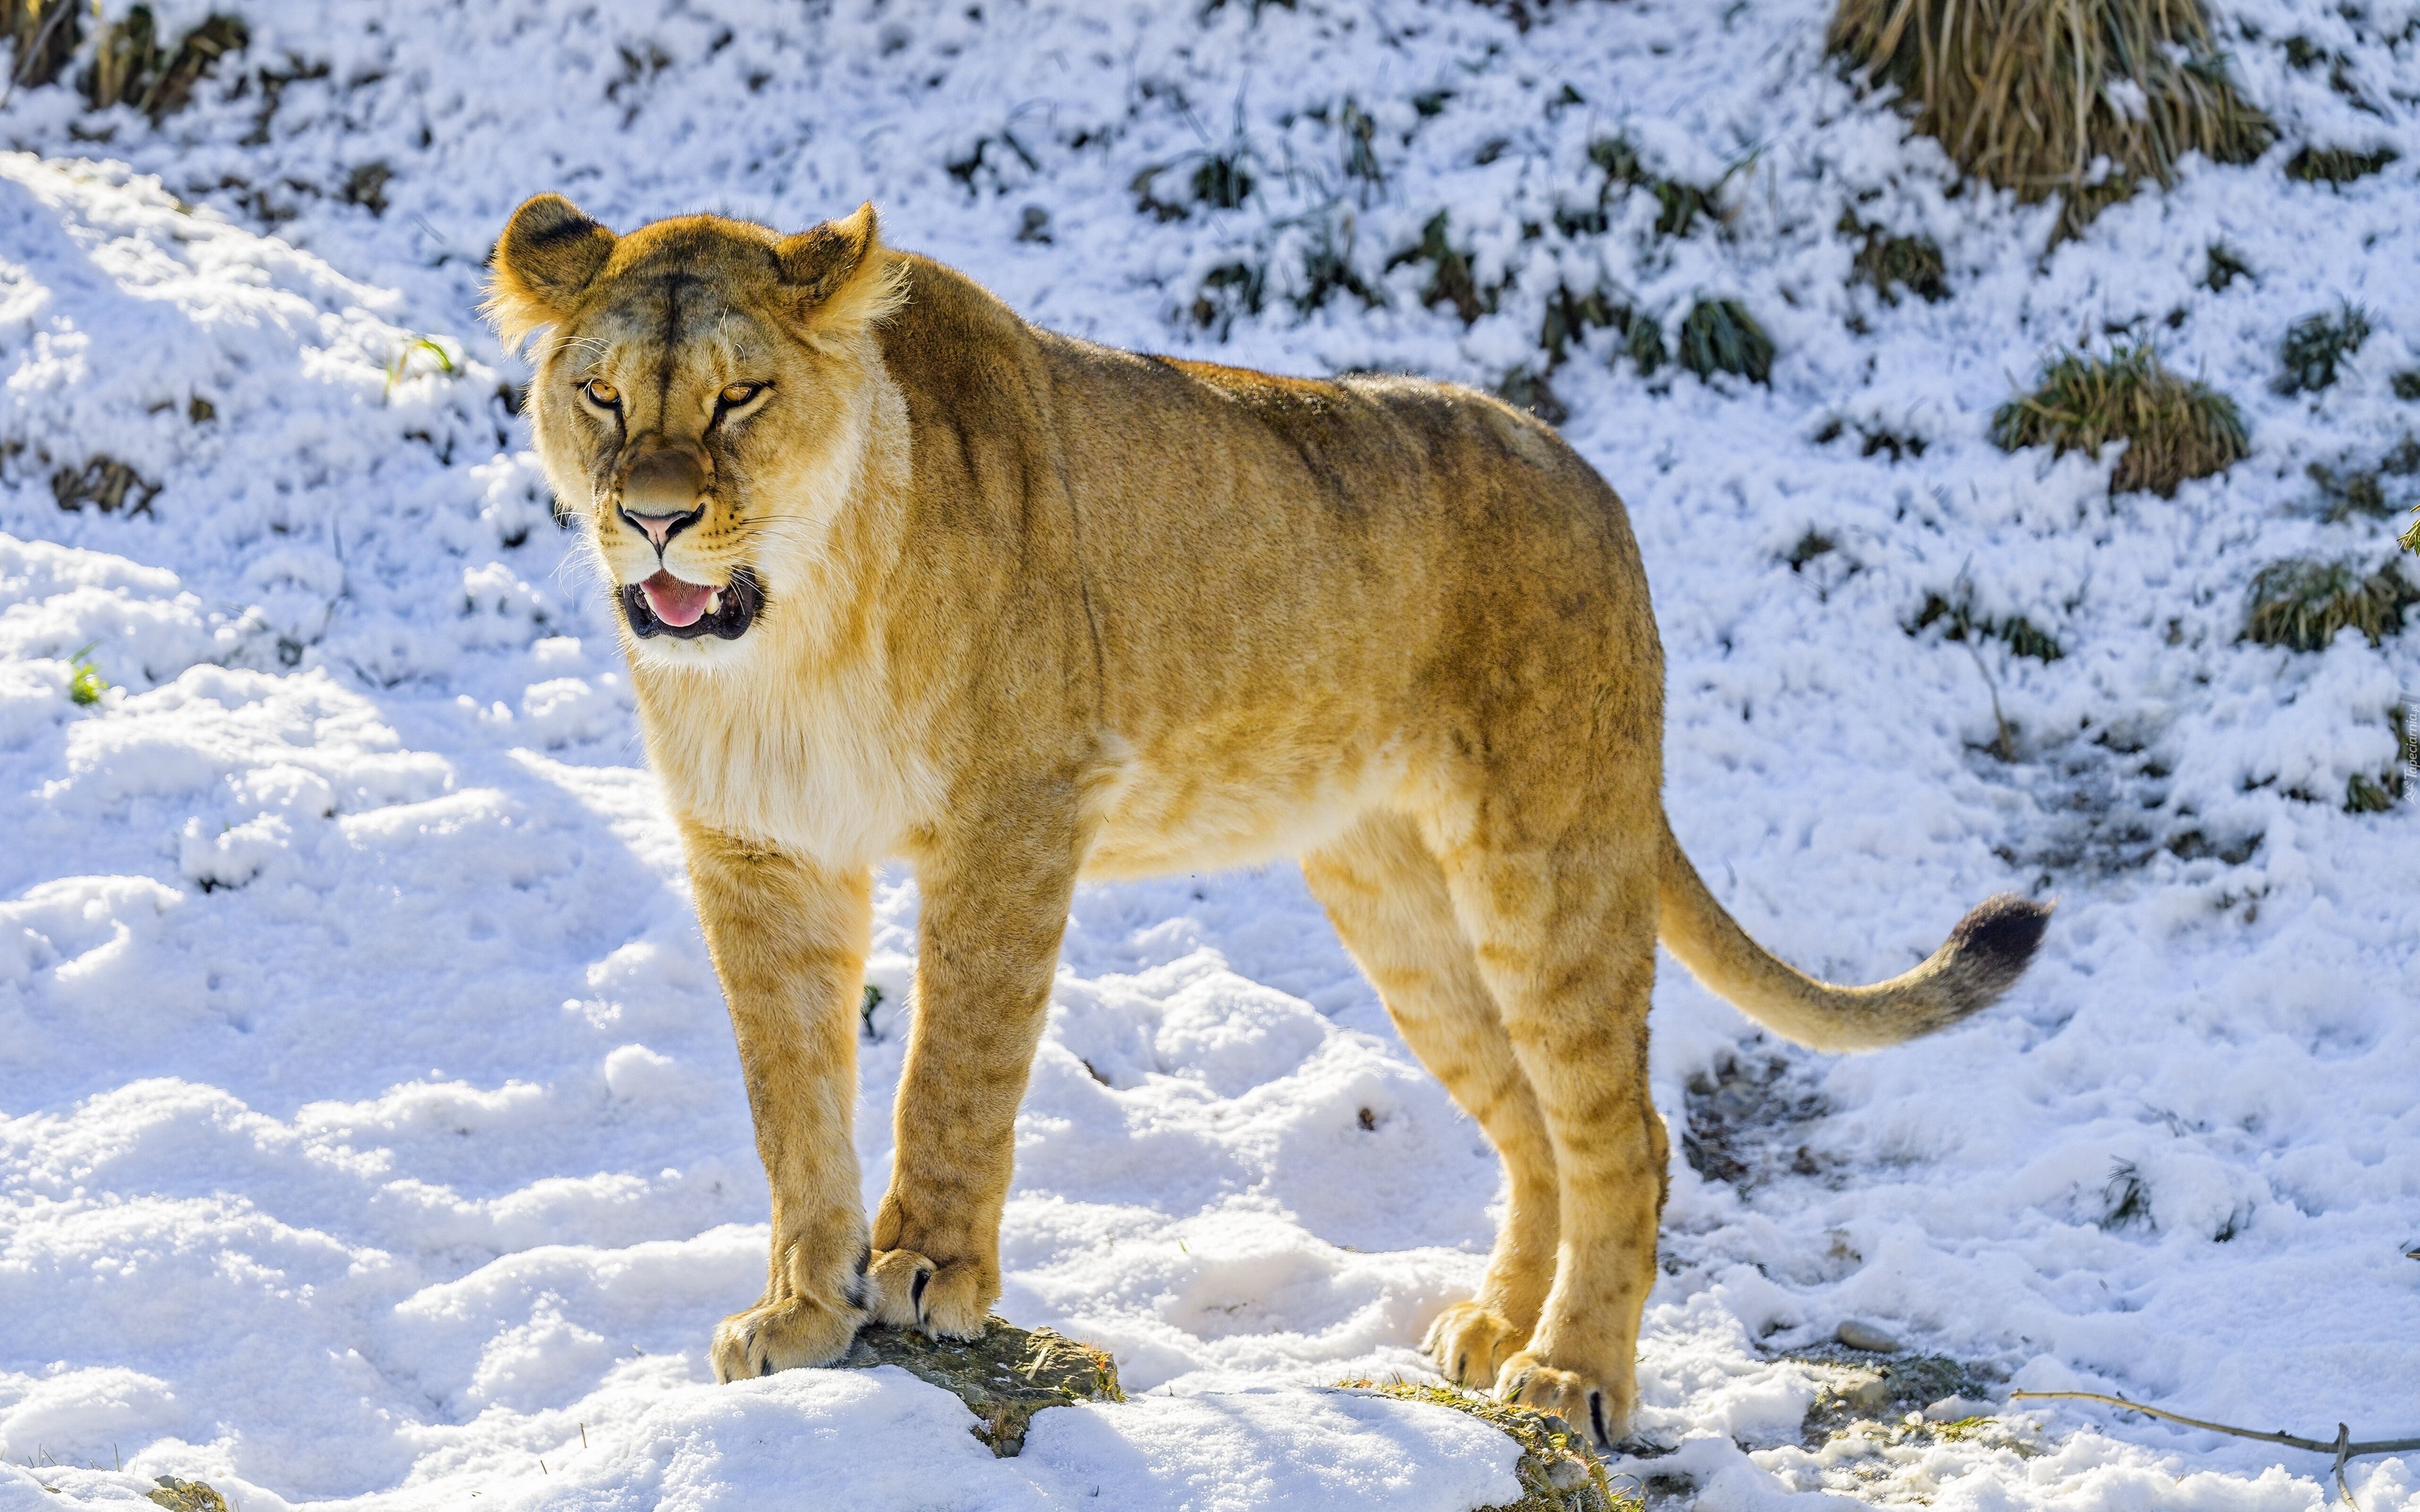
700, 400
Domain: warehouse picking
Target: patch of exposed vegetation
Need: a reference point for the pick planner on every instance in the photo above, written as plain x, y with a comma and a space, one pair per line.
43, 36
2302, 603
2082, 99
1229, 291
132, 67
2174, 428
1720, 336
2366, 793
2373, 490
1961, 623
1004, 1377
999, 161
1679, 204
85, 683
1450, 280
2126, 1199
2226, 265
1557, 1472
106, 484
2336, 166
1874, 440
1888, 264
1569, 317
2315, 345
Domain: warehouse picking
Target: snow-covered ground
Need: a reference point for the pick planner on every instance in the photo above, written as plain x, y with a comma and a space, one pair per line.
369, 1128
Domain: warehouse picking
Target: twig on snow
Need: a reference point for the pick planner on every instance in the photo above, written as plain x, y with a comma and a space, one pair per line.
2342, 1446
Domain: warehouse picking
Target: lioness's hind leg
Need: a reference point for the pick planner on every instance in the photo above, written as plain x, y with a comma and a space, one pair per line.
1386, 897
1566, 939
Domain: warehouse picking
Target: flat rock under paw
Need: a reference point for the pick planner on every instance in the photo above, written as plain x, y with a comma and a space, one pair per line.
1004, 1377
1556, 1470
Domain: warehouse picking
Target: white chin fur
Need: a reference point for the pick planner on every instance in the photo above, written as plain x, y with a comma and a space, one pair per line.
704, 654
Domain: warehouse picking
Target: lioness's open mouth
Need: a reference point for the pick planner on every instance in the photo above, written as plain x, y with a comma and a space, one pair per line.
666, 604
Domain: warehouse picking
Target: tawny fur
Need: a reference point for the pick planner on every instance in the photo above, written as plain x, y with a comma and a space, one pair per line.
1037, 609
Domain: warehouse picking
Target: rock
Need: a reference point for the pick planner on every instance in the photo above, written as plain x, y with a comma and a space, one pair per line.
186, 1496
1558, 1470
1004, 1377
1873, 1394
1866, 1337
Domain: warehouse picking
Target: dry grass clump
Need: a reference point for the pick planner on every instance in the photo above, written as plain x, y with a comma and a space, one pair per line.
43, 36
2175, 429
1555, 1471
2336, 166
131, 66
2030, 94
2301, 603
1889, 263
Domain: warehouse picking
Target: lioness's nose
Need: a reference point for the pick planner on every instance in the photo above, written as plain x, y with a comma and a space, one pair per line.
662, 492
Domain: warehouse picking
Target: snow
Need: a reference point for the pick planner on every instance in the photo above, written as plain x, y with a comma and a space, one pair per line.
369, 1128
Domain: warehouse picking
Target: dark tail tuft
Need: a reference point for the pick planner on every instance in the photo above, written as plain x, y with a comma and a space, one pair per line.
1994, 942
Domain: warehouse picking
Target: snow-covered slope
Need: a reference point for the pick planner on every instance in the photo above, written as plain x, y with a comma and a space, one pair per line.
368, 1124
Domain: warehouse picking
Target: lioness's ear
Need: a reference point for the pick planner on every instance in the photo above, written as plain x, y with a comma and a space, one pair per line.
546, 259
838, 274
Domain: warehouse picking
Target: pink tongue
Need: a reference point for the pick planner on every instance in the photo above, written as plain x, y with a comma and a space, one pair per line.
677, 603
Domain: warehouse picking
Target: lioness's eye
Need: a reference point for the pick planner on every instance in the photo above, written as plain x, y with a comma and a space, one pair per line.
600, 391
739, 394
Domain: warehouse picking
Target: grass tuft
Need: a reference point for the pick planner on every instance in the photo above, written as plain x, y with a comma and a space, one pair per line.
399, 367
2302, 603
1570, 316
2336, 165
2316, 344
1557, 1472
2174, 428
85, 683
1451, 281
1720, 336
2367, 794
1888, 264
2127, 1199
2082, 99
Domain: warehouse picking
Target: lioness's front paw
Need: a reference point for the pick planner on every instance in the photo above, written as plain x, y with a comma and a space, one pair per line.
948, 1300
1467, 1342
1590, 1407
783, 1336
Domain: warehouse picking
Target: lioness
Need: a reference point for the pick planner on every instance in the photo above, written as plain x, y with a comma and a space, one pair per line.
899, 575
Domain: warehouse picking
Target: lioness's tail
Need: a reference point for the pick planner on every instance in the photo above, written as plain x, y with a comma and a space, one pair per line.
1982, 958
